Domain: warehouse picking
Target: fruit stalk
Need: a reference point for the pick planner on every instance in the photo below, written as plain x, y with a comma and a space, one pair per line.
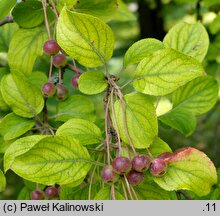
44, 4
115, 122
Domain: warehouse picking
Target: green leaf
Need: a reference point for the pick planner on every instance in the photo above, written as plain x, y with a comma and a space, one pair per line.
2, 181
85, 38
28, 14
32, 185
26, 45
215, 25
104, 9
149, 190
198, 96
139, 50
6, 6
105, 194
92, 82
209, 3
25, 99
190, 39
24, 194
163, 105
159, 146
75, 183
4, 144
164, 71
19, 147
3, 105
77, 193
181, 119
123, 13
60, 160
185, 1
141, 119
68, 3
13, 126
189, 169
85, 132
6, 34
37, 79
76, 106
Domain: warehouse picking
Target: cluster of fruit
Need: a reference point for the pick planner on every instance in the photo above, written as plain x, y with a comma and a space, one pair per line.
133, 169
59, 60
50, 192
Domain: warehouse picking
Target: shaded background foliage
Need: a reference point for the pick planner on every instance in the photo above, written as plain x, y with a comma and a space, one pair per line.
147, 18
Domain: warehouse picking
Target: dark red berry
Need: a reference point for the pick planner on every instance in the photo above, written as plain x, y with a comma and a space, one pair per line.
135, 178
158, 167
51, 192
121, 165
62, 92
108, 175
48, 89
37, 195
59, 60
75, 81
165, 155
140, 163
51, 47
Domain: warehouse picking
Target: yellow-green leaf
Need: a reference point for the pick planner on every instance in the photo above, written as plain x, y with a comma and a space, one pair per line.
84, 131
58, 159
92, 82
164, 71
76, 106
198, 96
19, 147
189, 169
139, 50
141, 120
13, 126
23, 98
26, 45
190, 39
2, 181
6, 6
85, 38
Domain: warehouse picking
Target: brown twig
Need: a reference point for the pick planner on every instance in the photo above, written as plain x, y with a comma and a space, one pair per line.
115, 122
107, 129
8, 19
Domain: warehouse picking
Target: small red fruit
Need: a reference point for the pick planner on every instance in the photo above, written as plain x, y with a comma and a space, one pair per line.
62, 92
108, 175
48, 89
75, 81
59, 60
140, 163
135, 178
51, 47
51, 192
158, 167
121, 165
37, 195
